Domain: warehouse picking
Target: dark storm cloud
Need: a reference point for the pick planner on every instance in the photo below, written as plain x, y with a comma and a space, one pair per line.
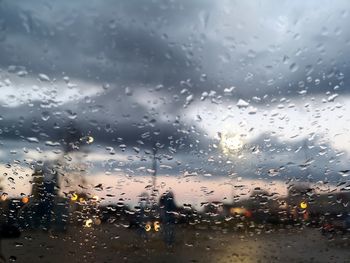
194, 45
106, 40
64, 125
152, 42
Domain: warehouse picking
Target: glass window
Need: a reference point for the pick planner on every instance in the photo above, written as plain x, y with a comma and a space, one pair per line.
174, 131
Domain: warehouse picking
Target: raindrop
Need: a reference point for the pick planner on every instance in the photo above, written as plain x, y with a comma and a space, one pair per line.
204, 95
332, 97
18, 244
285, 59
7, 82
45, 115
203, 77
11, 180
189, 99
22, 73
33, 139
12, 258
159, 87
242, 104
293, 67
252, 110
71, 115
87, 139
273, 172
230, 89
43, 77
128, 91
122, 147
52, 144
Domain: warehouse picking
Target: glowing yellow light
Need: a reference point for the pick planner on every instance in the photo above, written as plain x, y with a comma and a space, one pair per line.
90, 139
88, 223
303, 205
81, 199
156, 226
237, 210
74, 197
148, 227
230, 143
25, 199
95, 198
87, 139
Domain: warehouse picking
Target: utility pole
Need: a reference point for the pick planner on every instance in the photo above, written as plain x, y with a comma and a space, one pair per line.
154, 174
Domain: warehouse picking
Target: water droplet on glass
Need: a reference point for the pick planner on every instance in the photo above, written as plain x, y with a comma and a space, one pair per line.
242, 104
33, 139
87, 139
332, 97
45, 115
71, 115
43, 77
252, 110
128, 91
22, 73
230, 89
189, 99
203, 77
293, 67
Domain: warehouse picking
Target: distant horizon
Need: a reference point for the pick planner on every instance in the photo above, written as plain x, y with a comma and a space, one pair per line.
193, 190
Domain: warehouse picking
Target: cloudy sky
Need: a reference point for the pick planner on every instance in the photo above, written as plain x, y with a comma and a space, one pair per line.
252, 90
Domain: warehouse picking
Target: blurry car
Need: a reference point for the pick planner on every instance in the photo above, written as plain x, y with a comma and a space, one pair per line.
338, 225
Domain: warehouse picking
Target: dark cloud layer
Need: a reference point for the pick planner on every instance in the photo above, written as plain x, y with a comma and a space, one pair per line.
259, 49
171, 52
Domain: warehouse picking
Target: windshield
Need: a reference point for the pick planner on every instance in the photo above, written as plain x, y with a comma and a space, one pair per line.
174, 131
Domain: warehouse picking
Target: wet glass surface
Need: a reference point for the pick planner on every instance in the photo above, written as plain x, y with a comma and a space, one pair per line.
174, 131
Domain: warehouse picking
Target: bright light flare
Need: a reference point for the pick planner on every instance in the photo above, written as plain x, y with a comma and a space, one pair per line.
87, 139
88, 223
74, 197
156, 226
230, 143
303, 205
148, 227
237, 210
25, 200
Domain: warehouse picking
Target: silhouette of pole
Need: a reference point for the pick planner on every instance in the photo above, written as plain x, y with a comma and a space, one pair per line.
154, 173
305, 150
